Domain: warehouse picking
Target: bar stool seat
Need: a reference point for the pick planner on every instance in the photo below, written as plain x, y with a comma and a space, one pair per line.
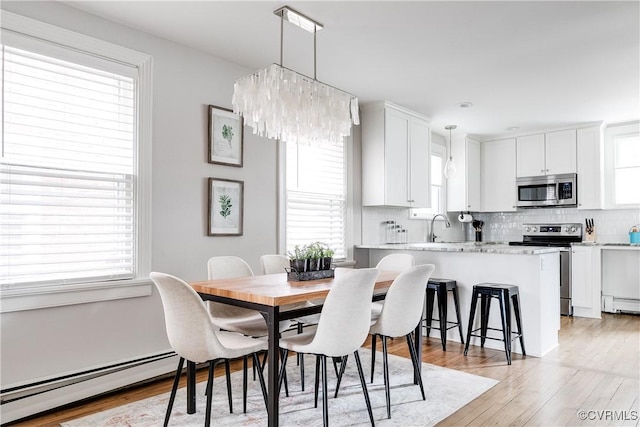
504, 293
440, 288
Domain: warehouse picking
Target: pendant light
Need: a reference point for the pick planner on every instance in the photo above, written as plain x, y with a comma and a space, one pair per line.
450, 166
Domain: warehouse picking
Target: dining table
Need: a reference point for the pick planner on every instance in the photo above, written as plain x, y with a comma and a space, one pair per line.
277, 298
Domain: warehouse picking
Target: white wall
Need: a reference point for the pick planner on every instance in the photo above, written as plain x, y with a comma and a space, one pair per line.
39, 343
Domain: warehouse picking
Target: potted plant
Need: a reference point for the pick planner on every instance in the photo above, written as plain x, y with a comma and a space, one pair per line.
298, 258
314, 255
327, 258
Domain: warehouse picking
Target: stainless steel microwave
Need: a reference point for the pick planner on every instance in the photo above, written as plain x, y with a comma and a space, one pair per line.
547, 191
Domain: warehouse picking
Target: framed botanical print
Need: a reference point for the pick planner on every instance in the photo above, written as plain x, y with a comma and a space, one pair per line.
225, 137
226, 204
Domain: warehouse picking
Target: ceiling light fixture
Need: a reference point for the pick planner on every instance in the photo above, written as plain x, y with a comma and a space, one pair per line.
279, 103
450, 166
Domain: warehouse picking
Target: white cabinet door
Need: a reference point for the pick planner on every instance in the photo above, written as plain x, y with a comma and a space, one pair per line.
419, 157
498, 175
581, 276
530, 152
473, 175
560, 149
590, 167
396, 157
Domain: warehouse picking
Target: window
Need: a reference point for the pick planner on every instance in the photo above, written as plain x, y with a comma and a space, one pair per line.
73, 165
626, 169
438, 185
438, 154
316, 196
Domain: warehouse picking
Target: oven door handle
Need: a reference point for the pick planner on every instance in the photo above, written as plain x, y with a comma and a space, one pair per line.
557, 191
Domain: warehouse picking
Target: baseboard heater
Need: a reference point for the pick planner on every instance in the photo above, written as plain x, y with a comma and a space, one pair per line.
28, 399
611, 304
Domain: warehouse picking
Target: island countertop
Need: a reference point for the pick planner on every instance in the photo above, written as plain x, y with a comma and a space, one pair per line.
477, 247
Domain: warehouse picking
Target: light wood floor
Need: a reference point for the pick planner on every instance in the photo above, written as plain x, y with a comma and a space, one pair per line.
596, 368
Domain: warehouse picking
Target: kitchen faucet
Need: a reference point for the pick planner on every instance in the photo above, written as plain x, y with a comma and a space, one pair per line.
432, 236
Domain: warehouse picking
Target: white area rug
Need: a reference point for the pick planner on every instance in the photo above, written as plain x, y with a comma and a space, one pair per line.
446, 390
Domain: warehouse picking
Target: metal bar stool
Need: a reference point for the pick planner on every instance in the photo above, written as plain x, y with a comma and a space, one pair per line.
441, 287
504, 293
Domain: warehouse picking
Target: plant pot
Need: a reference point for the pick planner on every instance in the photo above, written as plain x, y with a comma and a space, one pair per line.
299, 265
326, 263
315, 264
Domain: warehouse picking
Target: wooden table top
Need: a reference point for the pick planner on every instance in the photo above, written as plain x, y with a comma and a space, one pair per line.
274, 289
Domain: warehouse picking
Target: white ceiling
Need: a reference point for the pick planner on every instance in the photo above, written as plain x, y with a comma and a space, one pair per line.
535, 65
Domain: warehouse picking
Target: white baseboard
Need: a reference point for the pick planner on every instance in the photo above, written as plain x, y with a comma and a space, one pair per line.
36, 403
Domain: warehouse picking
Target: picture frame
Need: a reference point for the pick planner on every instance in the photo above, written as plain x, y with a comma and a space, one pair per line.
225, 131
226, 207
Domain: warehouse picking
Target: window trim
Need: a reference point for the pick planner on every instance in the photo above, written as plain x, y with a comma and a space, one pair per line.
59, 295
611, 133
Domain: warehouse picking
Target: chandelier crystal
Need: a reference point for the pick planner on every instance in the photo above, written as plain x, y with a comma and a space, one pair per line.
279, 103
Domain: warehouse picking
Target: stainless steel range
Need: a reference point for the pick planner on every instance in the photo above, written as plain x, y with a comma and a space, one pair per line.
560, 236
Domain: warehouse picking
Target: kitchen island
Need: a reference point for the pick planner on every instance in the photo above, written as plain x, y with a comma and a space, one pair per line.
535, 270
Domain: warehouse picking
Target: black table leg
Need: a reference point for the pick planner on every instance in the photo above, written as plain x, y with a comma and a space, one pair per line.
191, 387
273, 321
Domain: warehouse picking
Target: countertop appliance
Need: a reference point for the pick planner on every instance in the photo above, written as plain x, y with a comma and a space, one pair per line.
547, 191
560, 236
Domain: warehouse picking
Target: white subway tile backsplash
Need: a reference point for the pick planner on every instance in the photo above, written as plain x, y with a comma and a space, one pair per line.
612, 226
374, 227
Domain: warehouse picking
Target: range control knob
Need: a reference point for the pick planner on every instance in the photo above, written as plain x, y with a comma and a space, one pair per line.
574, 229
534, 229
527, 229
566, 229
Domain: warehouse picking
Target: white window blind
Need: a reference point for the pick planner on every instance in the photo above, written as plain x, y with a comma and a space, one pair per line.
316, 196
68, 171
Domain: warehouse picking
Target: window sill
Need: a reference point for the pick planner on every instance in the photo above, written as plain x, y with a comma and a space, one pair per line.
345, 263
55, 296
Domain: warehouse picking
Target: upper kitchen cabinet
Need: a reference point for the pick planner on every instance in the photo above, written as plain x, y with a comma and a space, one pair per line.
550, 153
395, 157
590, 168
463, 186
498, 175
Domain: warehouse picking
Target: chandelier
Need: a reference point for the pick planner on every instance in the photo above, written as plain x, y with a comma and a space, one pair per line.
279, 103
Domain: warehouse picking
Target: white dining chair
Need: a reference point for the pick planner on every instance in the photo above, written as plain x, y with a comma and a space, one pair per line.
401, 314
396, 262
237, 319
342, 328
230, 318
273, 264
392, 262
194, 338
